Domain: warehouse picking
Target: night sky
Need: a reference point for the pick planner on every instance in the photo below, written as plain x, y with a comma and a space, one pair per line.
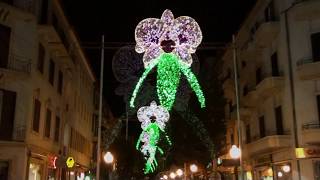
117, 20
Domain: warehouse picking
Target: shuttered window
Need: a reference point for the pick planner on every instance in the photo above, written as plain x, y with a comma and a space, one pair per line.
48, 124
36, 115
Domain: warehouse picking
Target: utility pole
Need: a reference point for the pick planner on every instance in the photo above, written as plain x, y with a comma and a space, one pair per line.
235, 67
100, 111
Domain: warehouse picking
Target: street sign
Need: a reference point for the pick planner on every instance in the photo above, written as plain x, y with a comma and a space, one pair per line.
307, 152
70, 162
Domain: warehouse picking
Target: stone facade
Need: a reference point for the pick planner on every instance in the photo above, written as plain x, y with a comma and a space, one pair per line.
279, 87
47, 89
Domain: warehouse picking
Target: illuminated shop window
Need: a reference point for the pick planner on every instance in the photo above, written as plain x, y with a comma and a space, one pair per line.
35, 172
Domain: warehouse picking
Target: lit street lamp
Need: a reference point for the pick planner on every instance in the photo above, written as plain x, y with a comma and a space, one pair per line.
193, 168
165, 177
235, 152
108, 158
172, 175
179, 172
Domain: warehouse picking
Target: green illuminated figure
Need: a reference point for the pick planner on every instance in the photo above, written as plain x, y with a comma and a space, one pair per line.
149, 148
169, 70
153, 120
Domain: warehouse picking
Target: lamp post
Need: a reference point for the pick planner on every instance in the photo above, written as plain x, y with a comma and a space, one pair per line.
235, 67
193, 169
235, 153
100, 111
109, 159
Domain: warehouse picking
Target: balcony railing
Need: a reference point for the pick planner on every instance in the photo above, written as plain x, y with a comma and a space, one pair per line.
304, 61
308, 68
268, 133
20, 132
311, 126
20, 64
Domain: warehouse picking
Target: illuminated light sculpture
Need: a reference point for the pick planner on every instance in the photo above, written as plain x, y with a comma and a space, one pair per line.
153, 119
168, 43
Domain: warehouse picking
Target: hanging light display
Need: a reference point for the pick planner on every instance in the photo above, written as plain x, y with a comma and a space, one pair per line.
153, 119
168, 43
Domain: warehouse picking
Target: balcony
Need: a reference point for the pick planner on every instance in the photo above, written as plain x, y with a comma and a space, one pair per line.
244, 113
12, 14
228, 88
17, 64
250, 54
266, 33
269, 86
307, 10
267, 144
48, 34
308, 69
249, 99
311, 133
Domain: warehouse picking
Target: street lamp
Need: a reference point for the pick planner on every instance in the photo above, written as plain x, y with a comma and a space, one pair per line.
108, 158
193, 168
172, 175
286, 168
165, 177
179, 172
234, 152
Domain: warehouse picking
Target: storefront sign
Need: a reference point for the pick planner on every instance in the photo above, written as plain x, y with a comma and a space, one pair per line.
307, 152
70, 162
52, 161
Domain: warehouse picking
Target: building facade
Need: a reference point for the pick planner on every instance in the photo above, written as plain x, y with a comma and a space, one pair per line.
278, 63
46, 93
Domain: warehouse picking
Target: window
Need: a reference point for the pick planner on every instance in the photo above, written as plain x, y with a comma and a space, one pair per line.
230, 106
258, 75
248, 134
54, 21
269, 14
8, 1
36, 115
274, 64
4, 45
4, 169
35, 171
94, 127
48, 124
51, 71
315, 42
262, 127
44, 12
245, 90
41, 56
57, 130
243, 64
7, 114
316, 169
318, 105
60, 82
279, 121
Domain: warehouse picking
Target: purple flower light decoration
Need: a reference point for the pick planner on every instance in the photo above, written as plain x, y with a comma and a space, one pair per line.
180, 36
168, 43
